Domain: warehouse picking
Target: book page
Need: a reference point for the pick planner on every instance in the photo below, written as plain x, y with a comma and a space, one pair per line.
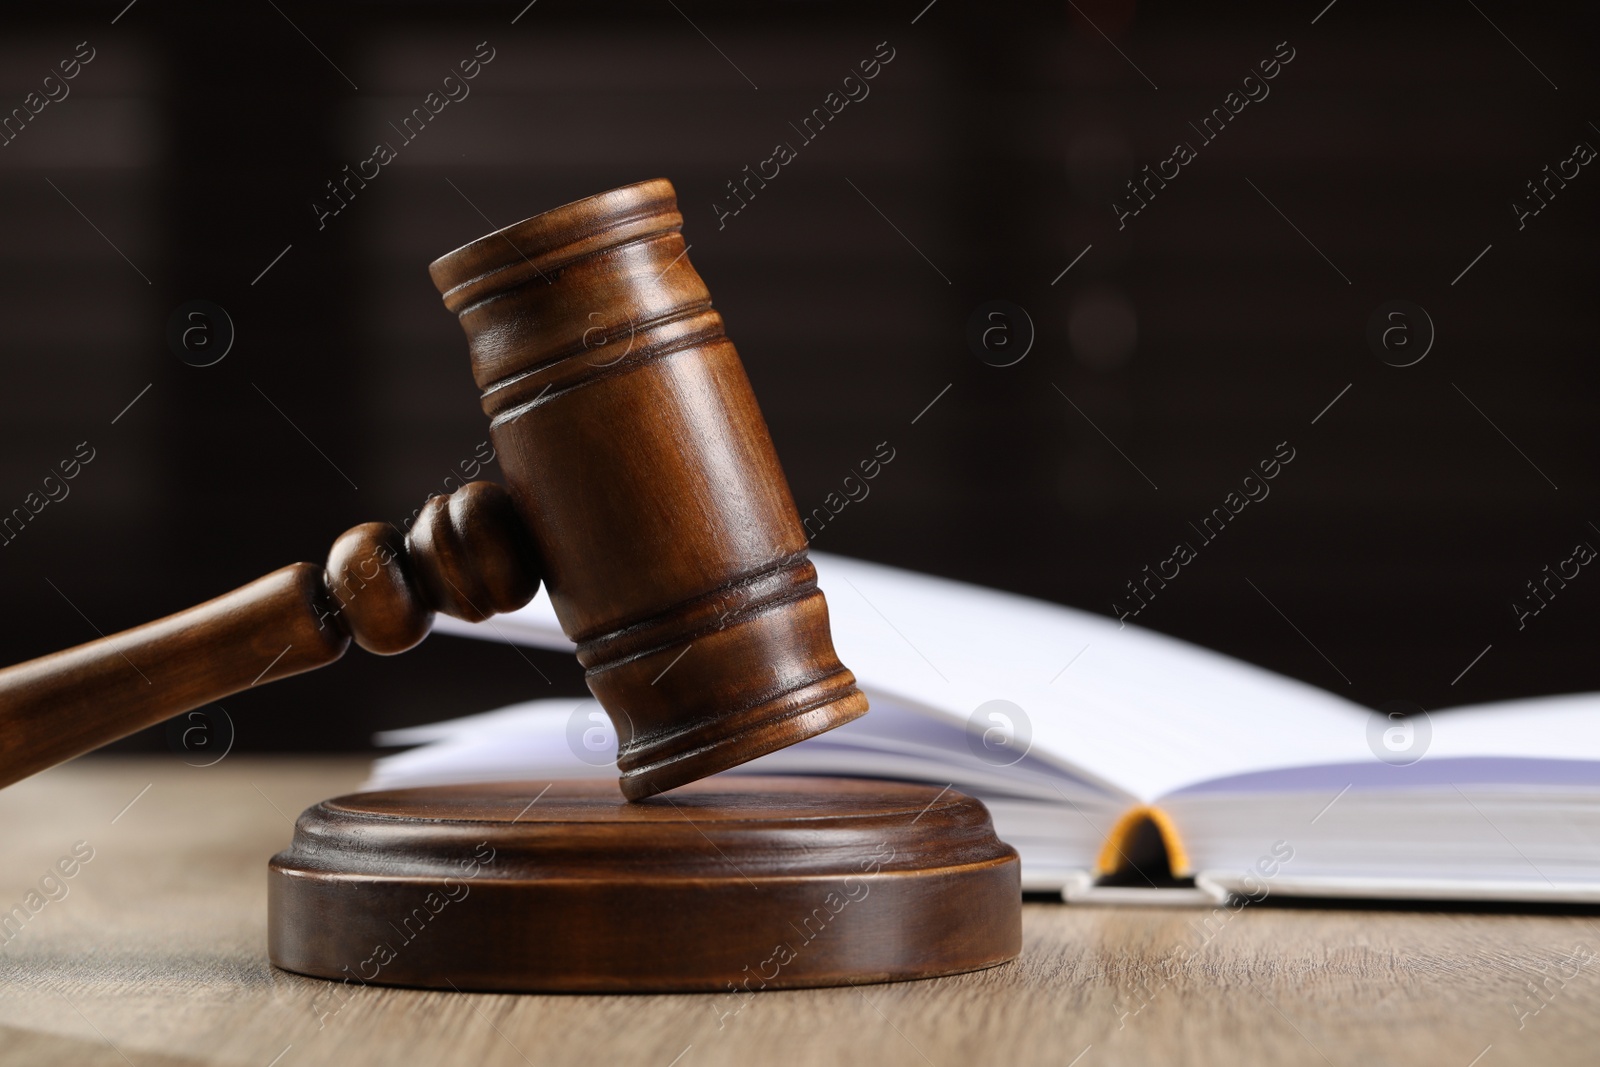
1565, 727
1534, 741
536, 740
1140, 712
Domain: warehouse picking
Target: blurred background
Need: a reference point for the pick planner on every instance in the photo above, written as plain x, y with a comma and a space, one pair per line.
1170, 352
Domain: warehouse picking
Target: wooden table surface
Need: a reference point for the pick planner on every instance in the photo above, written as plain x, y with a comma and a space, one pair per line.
156, 954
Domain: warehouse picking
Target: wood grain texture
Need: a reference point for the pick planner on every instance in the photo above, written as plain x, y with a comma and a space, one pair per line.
744, 883
631, 441
467, 555
160, 946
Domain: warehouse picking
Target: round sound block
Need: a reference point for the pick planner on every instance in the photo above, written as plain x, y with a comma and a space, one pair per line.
737, 883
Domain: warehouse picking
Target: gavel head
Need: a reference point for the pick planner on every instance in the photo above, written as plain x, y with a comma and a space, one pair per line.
633, 449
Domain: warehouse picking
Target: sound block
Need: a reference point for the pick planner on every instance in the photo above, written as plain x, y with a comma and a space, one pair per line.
738, 883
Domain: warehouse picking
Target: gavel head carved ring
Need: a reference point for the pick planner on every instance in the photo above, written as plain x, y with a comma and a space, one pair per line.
643, 488
638, 460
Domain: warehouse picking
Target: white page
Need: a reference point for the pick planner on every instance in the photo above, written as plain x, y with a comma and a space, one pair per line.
532, 740
1563, 727
526, 741
1142, 711
1531, 741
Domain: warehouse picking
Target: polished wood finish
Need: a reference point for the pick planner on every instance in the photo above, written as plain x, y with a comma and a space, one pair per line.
645, 489
160, 951
731, 884
634, 449
467, 555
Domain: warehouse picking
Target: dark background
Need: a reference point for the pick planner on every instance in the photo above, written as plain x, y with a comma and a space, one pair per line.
193, 145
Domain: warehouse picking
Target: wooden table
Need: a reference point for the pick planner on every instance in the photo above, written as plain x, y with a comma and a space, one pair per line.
156, 954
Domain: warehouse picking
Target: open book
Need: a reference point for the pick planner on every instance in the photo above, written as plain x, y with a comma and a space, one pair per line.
1081, 734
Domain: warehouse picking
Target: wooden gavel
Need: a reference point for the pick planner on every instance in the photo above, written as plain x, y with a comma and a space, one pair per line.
642, 488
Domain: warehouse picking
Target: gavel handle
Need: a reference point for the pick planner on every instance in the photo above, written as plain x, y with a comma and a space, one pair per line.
66, 703
467, 555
